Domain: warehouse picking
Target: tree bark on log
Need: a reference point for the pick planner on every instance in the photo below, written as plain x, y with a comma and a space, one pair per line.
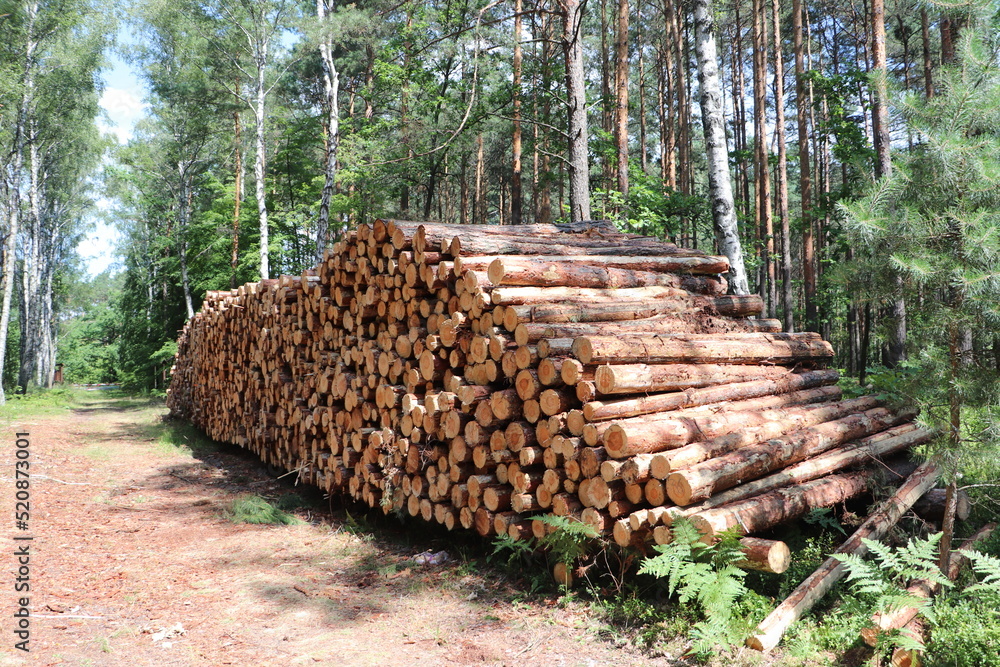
601, 410
734, 349
701, 480
640, 377
863, 451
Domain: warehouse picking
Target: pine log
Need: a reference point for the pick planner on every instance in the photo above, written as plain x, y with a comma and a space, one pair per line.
874, 447
771, 629
931, 506
655, 433
622, 309
707, 449
764, 555
641, 378
530, 271
604, 410
698, 482
674, 322
752, 348
767, 510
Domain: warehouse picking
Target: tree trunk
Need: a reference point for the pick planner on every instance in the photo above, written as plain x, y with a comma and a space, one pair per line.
787, 298
14, 217
331, 104
621, 96
479, 205
515, 178
925, 35
762, 168
880, 112
183, 215
714, 125
237, 194
31, 324
643, 159
579, 166
805, 177
260, 159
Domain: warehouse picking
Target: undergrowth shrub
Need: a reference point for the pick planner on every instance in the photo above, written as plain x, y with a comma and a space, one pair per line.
964, 623
966, 634
706, 577
257, 510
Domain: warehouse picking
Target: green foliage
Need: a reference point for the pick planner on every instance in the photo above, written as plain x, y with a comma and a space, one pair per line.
824, 518
959, 636
884, 580
966, 634
988, 588
705, 575
257, 510
656, 210
515, 552
571, 539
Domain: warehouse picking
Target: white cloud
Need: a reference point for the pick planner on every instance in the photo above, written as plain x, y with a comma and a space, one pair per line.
124, 108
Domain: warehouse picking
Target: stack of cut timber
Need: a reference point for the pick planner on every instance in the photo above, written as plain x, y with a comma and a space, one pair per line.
482, 375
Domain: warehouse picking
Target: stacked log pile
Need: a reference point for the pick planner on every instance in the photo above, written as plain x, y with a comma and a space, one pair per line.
479, 376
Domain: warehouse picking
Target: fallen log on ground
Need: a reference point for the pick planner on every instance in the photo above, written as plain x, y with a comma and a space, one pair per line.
816, 585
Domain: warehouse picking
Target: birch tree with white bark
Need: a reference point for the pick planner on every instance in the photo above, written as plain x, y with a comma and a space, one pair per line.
714, 125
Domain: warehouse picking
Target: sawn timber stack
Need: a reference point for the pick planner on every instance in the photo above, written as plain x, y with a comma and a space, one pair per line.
478, 376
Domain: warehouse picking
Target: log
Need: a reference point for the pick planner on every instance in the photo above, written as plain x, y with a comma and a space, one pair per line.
641, 378
874, 447
604, 410
530, 271
701, 480
764, 555
655, 433
772, 628
707, 449
533, 270
752, 348
673, 322
767, 510
931, 506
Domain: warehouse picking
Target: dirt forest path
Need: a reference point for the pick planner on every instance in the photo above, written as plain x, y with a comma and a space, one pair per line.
133, 562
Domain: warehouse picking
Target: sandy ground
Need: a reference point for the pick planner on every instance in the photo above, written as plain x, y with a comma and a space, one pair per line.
134, 563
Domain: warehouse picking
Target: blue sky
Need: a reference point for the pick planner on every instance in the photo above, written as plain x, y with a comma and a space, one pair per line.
123, 105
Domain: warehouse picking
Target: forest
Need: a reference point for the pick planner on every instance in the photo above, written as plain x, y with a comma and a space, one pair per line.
844, 157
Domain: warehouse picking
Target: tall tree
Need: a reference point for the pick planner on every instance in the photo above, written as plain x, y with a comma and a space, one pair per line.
714, 125
762, 171
621, 96
805, 169
255, 26
331, 124
576, 100
515, 177
787, 297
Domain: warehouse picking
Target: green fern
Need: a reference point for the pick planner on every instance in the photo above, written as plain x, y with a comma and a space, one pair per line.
885, 577
704, 575
513, 550
571, 540
988, 568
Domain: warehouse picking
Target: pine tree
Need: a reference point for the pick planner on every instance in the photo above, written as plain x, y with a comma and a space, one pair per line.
936, 221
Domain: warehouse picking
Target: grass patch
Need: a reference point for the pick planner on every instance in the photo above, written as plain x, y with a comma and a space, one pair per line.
39, 403
257, 510
98, 452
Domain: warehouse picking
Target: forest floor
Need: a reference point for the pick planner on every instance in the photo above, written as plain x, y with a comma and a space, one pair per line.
133, 562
